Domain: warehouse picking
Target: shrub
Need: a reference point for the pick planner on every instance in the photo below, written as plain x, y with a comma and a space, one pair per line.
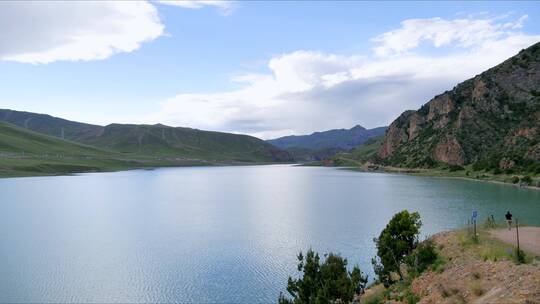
454, 168
520, 256
515, 179
422, 257
396, 241
477, 290
327, 282
497, 171
526, 179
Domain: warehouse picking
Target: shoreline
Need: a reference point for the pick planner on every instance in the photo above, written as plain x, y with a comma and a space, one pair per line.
150, 167
439, 174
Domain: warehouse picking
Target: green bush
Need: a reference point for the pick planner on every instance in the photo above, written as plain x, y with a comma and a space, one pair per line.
454, 168
515, 179
395, 243
520, 256
526, 179
422, 257
327, 282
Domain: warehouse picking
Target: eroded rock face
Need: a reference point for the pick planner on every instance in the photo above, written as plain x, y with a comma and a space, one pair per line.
415, 125
494, 113
506, 163
449, 151
395, 135
440, 106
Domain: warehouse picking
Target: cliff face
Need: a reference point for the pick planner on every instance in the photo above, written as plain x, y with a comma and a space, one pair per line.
493, 118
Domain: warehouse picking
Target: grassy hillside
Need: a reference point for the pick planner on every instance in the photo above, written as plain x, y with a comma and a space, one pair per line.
153, 141
49, 125
161, 140
27, 153
362, 154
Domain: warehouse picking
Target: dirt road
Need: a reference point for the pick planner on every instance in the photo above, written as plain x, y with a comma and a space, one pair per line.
529, 238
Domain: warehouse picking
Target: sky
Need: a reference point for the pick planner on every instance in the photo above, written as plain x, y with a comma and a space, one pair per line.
266, 69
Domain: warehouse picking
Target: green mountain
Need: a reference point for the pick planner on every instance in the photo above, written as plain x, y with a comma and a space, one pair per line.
153, 140
161, 140
491, 121
357, 156
49, 125
322, 145
24, 152
332, 139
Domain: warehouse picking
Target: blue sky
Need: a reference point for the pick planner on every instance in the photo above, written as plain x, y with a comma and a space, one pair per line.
262, 68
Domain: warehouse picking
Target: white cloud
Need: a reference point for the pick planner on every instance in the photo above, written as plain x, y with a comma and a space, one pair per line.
306, 91
224, 6
463, 33
44, 32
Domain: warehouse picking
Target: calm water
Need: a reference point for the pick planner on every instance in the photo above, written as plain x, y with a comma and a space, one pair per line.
227, 234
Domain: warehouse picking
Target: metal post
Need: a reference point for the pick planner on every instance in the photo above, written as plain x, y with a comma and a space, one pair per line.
517, 234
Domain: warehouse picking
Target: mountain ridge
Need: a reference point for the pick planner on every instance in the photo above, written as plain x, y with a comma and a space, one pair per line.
335, 138
151, 140
491, 121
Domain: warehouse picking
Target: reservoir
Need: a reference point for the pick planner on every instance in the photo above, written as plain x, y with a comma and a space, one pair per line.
213, 234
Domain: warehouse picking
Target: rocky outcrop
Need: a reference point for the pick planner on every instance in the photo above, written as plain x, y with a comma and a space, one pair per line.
449, 151
395, 135
491, 117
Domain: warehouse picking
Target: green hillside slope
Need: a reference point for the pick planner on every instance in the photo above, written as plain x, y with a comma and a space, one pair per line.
49, 125
360, 155
153, 140
161, 140
27, 153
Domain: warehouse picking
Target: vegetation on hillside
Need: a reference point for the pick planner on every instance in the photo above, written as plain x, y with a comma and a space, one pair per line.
324, 282
360, 155
27, 153
38, 144
322, 145
490, 122
330, 282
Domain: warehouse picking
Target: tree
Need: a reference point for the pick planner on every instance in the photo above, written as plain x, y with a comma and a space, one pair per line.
329, 282
395, 242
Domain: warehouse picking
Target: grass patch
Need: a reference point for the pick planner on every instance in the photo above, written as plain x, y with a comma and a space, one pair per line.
477, 289
491, 249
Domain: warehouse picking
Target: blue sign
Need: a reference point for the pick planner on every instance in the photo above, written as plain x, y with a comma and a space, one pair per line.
474, 215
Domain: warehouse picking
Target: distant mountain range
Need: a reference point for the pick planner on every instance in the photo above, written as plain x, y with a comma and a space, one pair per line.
320, 145
134, 142
337, 138
490, 122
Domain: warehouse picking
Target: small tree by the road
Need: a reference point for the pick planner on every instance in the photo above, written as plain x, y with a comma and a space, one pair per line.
327, 282
394, 244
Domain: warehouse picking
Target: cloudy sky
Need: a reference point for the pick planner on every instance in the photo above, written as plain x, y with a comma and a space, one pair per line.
263, 68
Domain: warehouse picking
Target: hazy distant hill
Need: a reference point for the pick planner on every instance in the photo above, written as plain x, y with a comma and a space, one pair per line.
491, 121
338, 138
152, 140
322, 145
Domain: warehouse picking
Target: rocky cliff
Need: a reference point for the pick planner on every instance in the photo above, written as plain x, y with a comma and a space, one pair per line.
491, 120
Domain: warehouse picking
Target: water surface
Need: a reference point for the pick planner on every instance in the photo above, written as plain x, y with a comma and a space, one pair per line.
212, 234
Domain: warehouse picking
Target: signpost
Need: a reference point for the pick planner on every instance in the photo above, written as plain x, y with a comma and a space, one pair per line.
474, 217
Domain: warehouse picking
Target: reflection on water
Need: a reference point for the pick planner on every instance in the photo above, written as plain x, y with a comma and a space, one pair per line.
222, 234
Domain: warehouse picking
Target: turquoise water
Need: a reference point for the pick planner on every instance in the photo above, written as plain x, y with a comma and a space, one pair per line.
214, 234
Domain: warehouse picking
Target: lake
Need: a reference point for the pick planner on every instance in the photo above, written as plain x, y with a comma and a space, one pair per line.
212, 234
